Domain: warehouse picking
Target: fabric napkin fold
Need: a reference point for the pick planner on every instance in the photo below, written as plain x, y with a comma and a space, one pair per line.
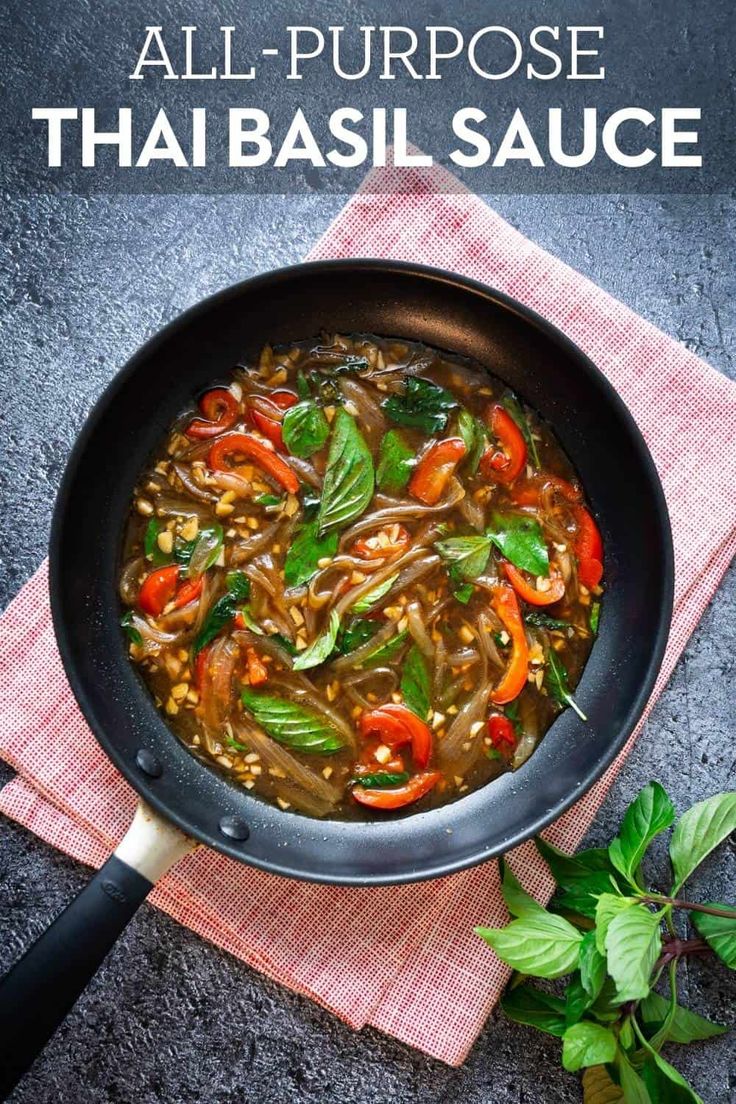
403, 959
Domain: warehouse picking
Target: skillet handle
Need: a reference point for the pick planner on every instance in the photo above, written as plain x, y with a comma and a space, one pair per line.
38, 992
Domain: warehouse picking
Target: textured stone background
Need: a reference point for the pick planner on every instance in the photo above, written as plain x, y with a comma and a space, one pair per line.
170, 1018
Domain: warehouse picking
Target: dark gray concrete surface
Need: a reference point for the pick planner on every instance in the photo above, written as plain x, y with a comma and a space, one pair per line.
170, 1018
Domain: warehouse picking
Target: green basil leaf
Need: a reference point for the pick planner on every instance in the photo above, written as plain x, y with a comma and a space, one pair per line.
292, 725
649, 814
305, 551
633, 943
238, 584
474, 436
349, 479
224, 609
592, 966
302, 386
685, 1026
395, 461
587, 1044
423, 405
664, 1084
370, 598
268, 500
609, 906
468, 556
577, 1001
126, 622
698, 831
206, 550
570, 870
719, 932
250, 621
356, 633
542, 944
595, 616
518, 901
634, 1089
598, 1088
521, 541
464, 592
305, 428
151, 549
387, 652
183, 551
235, 744
416, 685
583, 877
525, 1004
544, 621
555, 677
512, 405
285, 643
380, 780
321, 648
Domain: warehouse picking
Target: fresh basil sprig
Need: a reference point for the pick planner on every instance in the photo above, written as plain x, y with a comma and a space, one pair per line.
610, 936
292, 725
305, 428
423, 405
349, 478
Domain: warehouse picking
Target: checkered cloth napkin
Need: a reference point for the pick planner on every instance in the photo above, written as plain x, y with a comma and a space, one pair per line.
403, 959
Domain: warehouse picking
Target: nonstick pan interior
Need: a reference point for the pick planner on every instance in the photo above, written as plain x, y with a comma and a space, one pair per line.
438, 309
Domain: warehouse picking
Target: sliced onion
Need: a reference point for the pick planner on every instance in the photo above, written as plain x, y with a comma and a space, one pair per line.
130, 580
418, 629
306, 472
191, 485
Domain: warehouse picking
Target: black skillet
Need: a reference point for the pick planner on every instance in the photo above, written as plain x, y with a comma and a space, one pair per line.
392, 299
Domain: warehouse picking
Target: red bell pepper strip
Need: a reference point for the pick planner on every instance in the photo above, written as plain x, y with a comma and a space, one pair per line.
158, 589
529, 493
243, 444
432, 473
588, 549
529, 593
501, 732
219, 408
370, 548
257, 670
398, 796
506, 607
504, 464
200, 666
397, 725
187, 592
267, 414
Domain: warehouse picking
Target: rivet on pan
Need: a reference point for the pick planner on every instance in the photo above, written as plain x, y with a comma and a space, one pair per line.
234, 827
148, 763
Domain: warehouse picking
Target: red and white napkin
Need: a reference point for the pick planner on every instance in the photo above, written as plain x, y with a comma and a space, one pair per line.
403, 959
